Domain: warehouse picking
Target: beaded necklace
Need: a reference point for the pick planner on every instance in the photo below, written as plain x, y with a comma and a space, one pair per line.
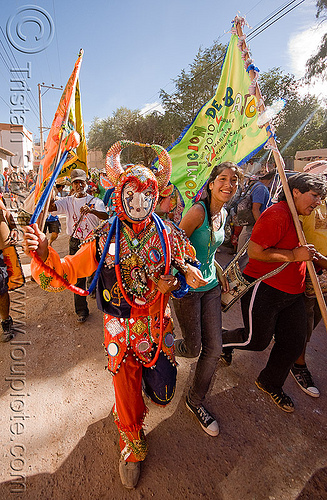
142, 301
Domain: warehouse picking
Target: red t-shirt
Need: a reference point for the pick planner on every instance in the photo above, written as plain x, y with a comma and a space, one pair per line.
275, 228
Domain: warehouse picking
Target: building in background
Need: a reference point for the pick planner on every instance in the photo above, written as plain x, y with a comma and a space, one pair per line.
95, 160
5, 156
18, 140
304, 157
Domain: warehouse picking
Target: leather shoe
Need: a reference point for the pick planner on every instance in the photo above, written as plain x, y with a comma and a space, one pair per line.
82, 318
129, 473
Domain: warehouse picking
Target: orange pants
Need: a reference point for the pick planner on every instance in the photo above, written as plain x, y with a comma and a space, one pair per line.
130, 409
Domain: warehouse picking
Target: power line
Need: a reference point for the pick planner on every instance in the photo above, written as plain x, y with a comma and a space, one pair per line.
266, 20
272, 15
29, 95
280, 17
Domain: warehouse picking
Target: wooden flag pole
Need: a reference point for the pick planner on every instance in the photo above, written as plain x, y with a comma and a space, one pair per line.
281, 170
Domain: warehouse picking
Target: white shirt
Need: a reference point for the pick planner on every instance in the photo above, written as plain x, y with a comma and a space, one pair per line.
70, 206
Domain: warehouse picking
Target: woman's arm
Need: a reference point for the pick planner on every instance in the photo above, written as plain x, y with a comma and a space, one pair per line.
193, 219
298, 254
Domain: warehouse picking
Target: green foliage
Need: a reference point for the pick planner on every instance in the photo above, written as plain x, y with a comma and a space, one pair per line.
192, 90
274, 84
317, 64
195, 87
128, 124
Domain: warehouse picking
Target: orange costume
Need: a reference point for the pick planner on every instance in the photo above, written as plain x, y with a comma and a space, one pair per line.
136, 316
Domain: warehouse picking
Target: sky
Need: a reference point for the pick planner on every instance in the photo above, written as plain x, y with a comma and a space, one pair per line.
132, 48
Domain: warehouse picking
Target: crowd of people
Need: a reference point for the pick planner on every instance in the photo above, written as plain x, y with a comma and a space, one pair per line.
136, 260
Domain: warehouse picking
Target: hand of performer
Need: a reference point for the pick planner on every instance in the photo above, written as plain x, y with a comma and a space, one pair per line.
34, 239
14, 235
167, 283
304, 253
194, 277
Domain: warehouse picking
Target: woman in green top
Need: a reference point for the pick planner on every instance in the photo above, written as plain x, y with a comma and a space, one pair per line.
199, 311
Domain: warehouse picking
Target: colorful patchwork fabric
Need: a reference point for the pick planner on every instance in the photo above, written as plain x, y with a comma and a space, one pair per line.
141, 334
142, 262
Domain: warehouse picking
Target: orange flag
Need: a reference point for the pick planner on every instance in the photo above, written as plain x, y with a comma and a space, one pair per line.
58, 131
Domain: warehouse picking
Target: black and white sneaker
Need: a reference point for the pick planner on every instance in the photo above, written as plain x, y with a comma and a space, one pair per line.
207, 421
304, 379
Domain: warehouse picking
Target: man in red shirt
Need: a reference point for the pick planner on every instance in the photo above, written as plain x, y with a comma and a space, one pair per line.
275, 307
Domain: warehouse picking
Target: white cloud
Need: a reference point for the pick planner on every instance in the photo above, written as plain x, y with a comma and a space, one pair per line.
301, 47
150, 107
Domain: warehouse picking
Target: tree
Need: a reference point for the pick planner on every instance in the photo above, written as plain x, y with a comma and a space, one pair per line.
274, 84
131, 125
317, 64
194, 88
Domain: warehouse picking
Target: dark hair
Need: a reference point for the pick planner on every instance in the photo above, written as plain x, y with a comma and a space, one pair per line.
217, 169
305, 182
267, 176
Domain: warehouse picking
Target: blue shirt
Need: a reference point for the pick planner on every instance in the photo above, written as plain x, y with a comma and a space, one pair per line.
260, 194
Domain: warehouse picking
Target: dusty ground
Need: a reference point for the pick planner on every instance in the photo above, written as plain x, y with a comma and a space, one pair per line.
58, 434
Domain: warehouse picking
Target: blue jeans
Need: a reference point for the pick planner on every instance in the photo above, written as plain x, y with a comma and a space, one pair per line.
199, 317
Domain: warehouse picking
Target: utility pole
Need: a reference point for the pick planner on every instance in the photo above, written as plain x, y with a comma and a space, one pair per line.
41, 123
39, 86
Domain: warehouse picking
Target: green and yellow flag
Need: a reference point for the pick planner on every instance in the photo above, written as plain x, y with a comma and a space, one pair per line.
225, 129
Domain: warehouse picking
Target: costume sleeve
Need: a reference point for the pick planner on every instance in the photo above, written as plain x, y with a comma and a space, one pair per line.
71, 267
182, 251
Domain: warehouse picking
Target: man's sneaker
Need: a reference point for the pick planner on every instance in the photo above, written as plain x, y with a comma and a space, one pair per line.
129, 473
304, 379
281, 399
227, 356
207, 422
7, 330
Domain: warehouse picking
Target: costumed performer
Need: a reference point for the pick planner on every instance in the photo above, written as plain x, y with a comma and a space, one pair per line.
132, 291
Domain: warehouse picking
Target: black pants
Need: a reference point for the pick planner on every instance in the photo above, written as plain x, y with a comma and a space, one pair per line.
267, 313
80, 301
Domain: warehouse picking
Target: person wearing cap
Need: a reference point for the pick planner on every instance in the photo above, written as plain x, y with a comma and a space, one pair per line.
83, 214
315, 231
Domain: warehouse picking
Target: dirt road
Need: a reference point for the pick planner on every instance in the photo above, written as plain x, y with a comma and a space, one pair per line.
58, 439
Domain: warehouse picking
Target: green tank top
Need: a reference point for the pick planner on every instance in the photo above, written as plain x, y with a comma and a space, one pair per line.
206, 243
